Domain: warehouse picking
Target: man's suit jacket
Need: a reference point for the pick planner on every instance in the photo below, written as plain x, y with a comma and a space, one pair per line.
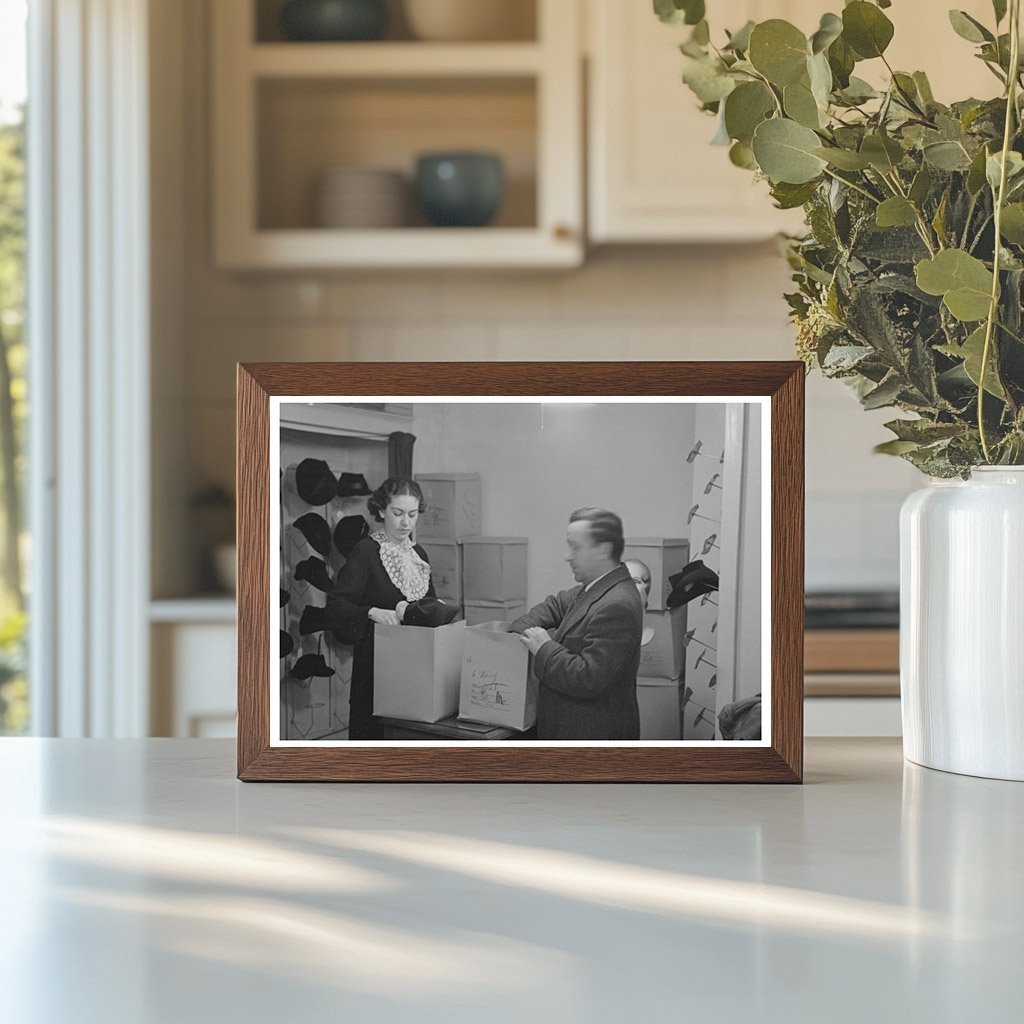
587, 671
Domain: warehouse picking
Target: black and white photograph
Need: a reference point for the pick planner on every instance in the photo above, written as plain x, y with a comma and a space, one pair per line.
580, 571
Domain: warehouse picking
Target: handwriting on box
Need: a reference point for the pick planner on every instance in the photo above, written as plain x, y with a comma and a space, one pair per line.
486, 690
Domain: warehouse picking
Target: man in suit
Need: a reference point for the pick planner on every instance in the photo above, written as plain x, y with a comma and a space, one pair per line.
586, 641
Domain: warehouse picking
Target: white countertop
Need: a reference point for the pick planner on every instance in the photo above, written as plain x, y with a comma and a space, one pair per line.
143, 884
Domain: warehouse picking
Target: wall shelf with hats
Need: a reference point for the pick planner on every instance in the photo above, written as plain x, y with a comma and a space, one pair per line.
416, 149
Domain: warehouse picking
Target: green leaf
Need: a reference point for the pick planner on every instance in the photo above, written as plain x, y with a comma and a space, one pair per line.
895, 447
866, 29
883, 153
968, 28
820, 75
800, 105
745, 108
1011, 225
994, 167
778, 50
921, 186
789, 197
976, 175
971, 352
885, 394
742, 155
829, 30
946, 156
924, 88
707, 80
896, 212
841, 60
785, 152
844, 159
963, 281
739, 41
676, 12
859, 91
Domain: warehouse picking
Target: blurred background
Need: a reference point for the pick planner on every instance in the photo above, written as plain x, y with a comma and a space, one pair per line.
253, 180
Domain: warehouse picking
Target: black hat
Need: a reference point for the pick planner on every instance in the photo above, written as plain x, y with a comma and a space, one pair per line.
310, 665
316, 531
287, 644
429, 611
690, 582
350, 484
314, 570
315, 482
348, 530
314, 620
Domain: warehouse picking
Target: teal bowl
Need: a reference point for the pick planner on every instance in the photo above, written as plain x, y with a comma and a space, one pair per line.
461, 190
332, 21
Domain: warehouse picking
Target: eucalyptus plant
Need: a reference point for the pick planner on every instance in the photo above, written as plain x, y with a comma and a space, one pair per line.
909, 279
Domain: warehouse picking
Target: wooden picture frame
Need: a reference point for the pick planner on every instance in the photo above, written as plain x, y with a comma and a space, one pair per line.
777, 386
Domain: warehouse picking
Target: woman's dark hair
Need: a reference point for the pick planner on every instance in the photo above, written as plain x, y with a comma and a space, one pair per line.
393, 487
605, 528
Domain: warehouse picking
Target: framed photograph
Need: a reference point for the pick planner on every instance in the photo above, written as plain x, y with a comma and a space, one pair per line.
520, 572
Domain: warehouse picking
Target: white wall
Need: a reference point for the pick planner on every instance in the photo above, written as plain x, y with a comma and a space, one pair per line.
539, 462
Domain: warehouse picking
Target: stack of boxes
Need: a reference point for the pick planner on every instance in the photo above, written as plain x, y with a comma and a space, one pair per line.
452, 512
494, 579
662, 656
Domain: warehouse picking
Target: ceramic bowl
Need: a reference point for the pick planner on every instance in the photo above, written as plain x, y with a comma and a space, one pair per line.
460, 189
334, 20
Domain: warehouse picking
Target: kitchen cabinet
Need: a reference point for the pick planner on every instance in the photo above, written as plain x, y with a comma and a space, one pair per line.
285, 113
653, 175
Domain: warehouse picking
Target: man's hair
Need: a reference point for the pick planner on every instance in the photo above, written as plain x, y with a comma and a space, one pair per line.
605, 527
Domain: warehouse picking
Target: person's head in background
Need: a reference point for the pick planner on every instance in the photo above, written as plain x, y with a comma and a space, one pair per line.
641, 576
397, 503
595, 542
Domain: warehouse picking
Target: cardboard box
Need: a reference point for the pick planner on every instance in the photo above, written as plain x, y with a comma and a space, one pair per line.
477, 612
498, 685
664, 556
494, 568
417, 671
453, 505
663, 655
660, 713
445, 568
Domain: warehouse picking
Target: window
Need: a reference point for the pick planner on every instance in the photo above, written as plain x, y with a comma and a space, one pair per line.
14, 551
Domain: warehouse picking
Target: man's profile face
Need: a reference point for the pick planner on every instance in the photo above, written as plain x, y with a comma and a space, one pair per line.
586, 559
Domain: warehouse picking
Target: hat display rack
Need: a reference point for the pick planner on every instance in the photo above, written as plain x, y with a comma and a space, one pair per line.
323, 514
697, 584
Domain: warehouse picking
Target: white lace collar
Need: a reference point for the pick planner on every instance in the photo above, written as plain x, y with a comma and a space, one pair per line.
403, 565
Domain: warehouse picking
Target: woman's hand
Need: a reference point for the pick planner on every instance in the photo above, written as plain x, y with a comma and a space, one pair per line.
384, 616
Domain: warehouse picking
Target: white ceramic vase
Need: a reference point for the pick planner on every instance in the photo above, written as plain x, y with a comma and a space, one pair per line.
962, 624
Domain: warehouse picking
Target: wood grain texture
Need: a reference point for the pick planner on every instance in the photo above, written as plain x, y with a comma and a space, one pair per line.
782, 762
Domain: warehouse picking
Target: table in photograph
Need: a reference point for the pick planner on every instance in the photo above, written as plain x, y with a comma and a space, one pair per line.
142, 883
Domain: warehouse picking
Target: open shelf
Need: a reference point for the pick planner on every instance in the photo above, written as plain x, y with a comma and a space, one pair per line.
287, 113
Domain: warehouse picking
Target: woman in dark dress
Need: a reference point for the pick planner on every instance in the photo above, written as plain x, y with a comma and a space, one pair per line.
384, 572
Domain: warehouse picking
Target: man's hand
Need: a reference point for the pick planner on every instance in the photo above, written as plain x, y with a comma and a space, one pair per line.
534, 637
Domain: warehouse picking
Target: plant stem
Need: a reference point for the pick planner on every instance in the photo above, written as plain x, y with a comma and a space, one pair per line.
855, 187
993, 309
